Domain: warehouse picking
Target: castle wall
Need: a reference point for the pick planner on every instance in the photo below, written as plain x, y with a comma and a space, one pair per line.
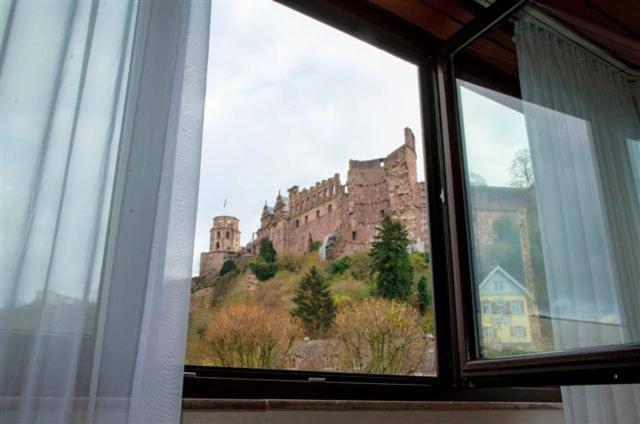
317, 222
374, 188
404, 196
366, 204
424, 214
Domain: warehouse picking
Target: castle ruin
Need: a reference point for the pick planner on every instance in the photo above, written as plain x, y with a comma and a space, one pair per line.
343, 217
224, 243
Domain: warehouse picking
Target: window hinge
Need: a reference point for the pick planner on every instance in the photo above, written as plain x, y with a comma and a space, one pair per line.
442, 195
317, 380
190, 374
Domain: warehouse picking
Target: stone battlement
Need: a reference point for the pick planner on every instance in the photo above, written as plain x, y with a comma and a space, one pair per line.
344, 217
373, 163
226, 221
323, 191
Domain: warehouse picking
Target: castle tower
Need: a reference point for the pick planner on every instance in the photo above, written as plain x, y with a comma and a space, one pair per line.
224, 243
225, 234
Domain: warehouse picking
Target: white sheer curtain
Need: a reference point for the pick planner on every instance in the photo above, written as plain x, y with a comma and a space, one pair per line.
101, 123
580, 119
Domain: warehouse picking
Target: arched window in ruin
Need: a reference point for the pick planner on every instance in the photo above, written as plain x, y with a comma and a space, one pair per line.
329, 208
218, 234
354, 235
297, 223
318, 213
306, 219
227, 235
217, 245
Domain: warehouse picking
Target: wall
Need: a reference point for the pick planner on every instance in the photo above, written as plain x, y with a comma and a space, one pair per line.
374, 188
425, 412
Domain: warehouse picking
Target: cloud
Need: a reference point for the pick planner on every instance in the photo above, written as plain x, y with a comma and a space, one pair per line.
289, 101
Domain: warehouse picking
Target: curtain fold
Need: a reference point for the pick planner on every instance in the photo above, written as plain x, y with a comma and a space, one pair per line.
101, 102
580, 121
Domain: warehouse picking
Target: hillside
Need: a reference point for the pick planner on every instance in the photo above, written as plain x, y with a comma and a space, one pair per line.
349, 281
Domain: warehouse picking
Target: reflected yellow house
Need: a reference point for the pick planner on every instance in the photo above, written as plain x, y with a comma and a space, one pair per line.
504, 312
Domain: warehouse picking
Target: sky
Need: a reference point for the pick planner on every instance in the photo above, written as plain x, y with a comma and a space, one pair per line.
289, 101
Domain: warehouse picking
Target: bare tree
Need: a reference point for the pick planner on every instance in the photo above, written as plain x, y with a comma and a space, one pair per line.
521, 169
477, 180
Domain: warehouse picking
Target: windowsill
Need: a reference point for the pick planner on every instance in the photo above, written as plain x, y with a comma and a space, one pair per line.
358, 405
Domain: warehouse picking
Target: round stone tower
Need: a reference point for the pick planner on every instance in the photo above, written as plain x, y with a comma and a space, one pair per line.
225, 234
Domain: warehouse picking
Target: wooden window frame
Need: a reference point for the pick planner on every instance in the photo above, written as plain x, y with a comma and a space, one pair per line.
462, 375
595, 365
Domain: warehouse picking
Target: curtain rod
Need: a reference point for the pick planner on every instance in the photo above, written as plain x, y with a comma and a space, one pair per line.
593, 48
570, 34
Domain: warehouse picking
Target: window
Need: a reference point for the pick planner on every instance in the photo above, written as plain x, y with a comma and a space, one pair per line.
518, 331
517, 307
518, 221
499, 258
226, 235
252, 314
217, 234
541, 201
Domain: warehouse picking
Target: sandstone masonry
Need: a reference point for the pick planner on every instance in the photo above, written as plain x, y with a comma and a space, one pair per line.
343, 217
224, 243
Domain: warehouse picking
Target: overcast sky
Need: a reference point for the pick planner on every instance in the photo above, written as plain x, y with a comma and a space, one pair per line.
290, 100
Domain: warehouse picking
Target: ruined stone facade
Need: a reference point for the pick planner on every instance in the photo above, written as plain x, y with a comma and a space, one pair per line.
224, 243
519, 206
343, 217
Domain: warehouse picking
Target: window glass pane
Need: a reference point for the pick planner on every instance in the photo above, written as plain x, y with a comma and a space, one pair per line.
312, 244
550, 133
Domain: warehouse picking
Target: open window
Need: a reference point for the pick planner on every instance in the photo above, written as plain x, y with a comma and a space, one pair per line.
530, 197
343, 295
544, 199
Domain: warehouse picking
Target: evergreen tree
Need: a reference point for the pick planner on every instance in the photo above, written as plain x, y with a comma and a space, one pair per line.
424, 295
267, 252
314, 304
227, 267
391, 261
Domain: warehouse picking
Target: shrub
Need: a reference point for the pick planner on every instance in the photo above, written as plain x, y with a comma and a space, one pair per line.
200, 330
251, 336
314, 305
427, 323
315, 246
290, 262
394, 278
340, 265
380, 336
424, 295
263, 270
227, 267
360, 265
267, 252
342, 300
